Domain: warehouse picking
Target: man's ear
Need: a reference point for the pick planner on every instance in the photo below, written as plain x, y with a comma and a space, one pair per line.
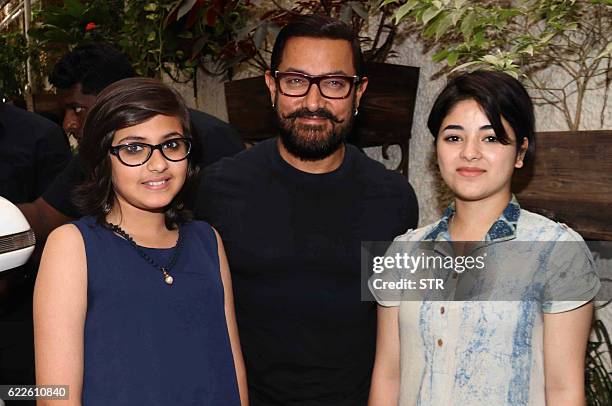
271, 83
521, 153
361, 87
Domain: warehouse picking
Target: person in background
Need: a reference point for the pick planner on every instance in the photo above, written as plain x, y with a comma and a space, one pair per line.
527, 348
33, 151
293, 211
78, 77
133, 303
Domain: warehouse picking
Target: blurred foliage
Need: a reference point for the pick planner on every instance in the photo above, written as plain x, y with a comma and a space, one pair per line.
521, 38
176, 37
13, 56
598, 378
363, 16
159, 36
65, 26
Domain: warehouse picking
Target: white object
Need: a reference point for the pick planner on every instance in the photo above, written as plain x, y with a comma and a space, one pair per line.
16, 237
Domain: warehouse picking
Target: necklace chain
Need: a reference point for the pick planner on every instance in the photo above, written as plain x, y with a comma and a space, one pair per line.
164, 269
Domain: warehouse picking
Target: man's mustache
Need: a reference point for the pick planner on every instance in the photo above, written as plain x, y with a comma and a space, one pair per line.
321, 113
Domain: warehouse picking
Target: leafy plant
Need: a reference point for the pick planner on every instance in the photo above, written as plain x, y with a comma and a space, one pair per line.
13, 56
523, 38
149, 43
169, 36
598, 380
213, 32
74, 22
357, 14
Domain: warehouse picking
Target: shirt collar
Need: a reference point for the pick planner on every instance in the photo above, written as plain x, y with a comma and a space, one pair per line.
504, 227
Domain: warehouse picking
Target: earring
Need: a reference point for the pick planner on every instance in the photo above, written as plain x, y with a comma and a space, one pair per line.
106, 208
356, 111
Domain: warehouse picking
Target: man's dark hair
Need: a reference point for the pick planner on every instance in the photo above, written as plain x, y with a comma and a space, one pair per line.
94, 66
317, 26
124, 104
499, 95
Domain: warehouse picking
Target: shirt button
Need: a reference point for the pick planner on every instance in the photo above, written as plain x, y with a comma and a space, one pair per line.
442, 310
440, 342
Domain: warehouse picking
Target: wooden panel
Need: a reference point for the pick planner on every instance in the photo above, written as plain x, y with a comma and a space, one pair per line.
385, 115
249, 108
570, 181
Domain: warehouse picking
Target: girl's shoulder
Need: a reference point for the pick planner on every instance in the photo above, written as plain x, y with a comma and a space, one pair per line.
65, 234
535, 227
200, 228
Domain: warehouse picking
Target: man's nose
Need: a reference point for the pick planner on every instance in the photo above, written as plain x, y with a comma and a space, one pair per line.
71, 123
314, 100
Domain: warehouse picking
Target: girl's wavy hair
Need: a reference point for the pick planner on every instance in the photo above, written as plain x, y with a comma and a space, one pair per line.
123, 104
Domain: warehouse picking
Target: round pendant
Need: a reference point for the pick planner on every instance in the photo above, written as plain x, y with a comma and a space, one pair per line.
169, 279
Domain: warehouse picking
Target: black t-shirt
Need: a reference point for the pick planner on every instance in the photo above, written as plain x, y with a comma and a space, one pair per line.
215, 140
33, 150
293, 244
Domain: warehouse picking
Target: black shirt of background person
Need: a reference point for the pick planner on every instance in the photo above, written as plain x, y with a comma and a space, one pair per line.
293, 243
33, 150
215, 140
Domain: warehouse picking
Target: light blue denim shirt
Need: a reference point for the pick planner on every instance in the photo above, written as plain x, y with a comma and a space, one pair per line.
487, 352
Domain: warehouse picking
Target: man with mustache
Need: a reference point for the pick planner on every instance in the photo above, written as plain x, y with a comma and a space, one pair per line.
292, 212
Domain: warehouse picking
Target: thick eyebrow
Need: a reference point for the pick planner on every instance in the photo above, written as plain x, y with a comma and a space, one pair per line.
458, 127
335, 72
138, 138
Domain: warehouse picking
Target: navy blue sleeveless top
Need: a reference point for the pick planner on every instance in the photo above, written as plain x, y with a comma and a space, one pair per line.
149, 343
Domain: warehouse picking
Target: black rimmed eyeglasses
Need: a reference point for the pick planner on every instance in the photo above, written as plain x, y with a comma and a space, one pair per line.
138, 153
295, 84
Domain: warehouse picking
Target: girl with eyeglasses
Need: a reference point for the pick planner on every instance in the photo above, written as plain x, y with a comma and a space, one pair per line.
514, 330
133, 302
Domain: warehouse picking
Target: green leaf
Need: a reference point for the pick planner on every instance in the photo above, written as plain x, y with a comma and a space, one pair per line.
345, 14
479, 39
185, 8
464, 65
185, 35
359, 10
430, 14
74, 8
492, 60
150, 7
528, 50
547, 37
439, 56
467, 25
443, 24
607, 52
452, 58
456, 16
151, 36
404, 10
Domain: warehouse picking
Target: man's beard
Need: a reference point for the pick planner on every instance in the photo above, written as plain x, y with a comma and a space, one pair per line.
313, 142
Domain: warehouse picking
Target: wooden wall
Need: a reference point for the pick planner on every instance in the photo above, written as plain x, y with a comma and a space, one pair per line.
570, 181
